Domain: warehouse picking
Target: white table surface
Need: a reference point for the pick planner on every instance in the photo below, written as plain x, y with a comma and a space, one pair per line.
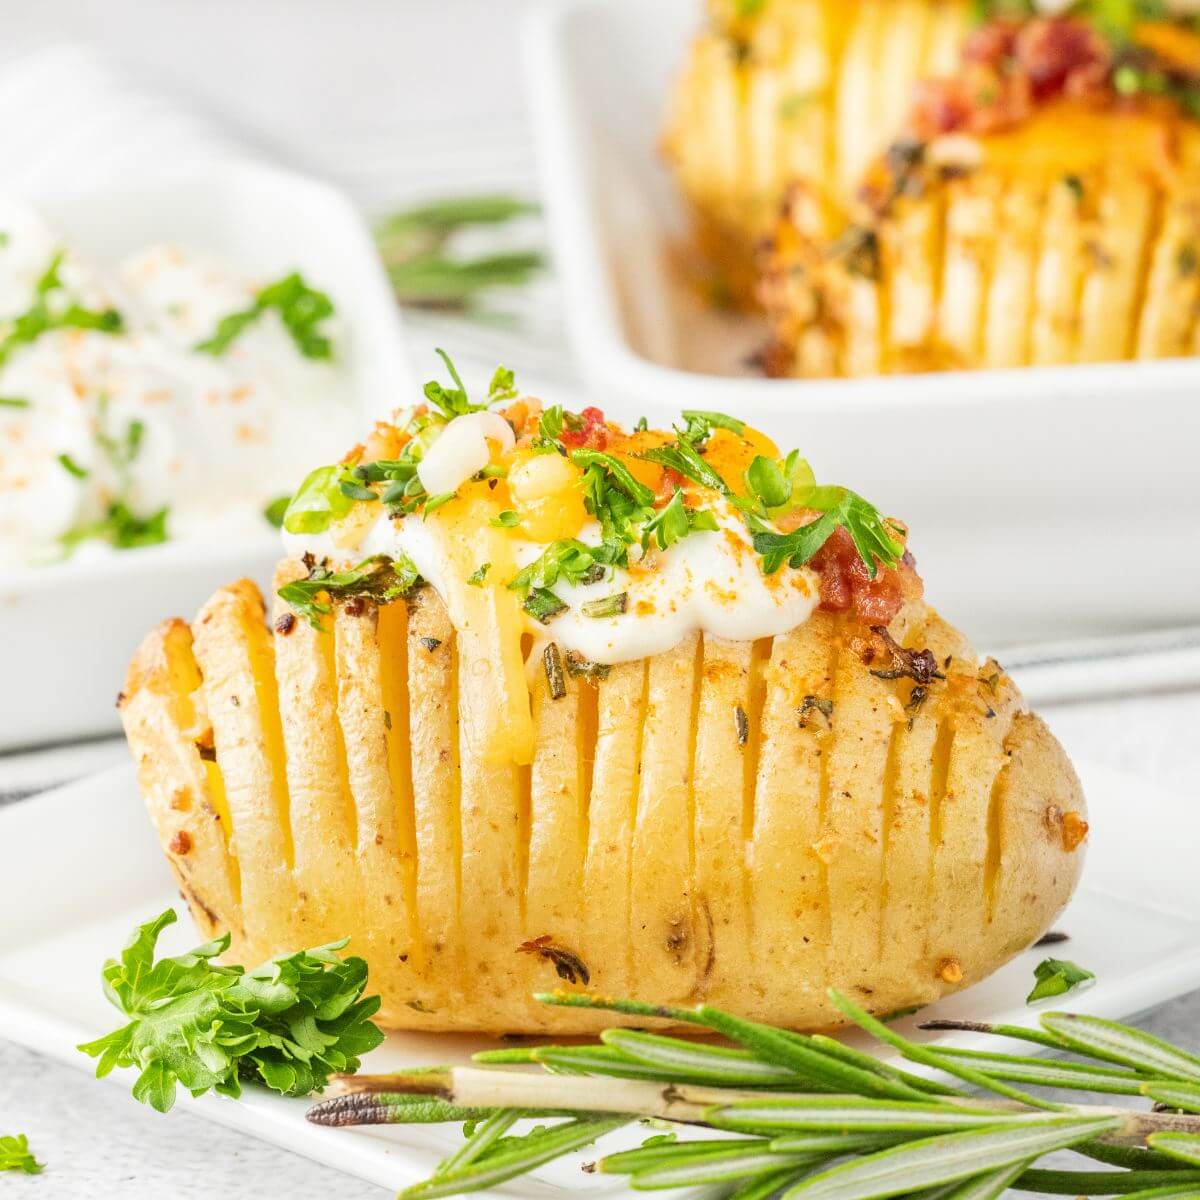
348, 89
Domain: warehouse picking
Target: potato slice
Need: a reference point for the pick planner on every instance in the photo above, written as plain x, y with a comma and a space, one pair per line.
184, 792
235, 655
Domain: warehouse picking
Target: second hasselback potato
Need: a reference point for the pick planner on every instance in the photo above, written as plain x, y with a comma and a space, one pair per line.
841, 796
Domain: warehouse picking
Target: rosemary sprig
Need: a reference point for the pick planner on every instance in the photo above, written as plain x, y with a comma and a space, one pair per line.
806, 1117
417, 248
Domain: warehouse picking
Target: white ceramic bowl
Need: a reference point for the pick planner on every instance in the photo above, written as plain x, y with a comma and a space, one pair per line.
67, 631
1044, 502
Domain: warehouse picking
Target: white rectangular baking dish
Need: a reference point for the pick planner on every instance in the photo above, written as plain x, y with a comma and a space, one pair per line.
67, 631
1134, 922
1044, 502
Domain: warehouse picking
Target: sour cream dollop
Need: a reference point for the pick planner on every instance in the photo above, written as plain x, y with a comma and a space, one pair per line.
711, 581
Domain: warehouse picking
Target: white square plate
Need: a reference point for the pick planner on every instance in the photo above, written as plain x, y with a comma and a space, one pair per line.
67, 631
1046, 502
80, 867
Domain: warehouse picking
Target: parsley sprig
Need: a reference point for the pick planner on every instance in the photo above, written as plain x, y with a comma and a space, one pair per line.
378, 578
288, 1024
302, 310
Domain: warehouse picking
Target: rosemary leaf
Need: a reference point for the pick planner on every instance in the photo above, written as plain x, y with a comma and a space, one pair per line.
1121, 1044
687, 1060
735, 1162
835, 1143
489, 1131
933, 1161
1174, 1095
776, 1046
666, 1148
848, 1054
1110, 1183
522, 1156
931, 1058
1051, 1073
1183, 1146
983, 1187
835, 1114
765, 1185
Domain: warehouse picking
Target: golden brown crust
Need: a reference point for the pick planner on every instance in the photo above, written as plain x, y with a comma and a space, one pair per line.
746, 824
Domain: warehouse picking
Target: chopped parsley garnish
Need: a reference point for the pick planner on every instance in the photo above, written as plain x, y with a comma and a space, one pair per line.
543, 605
508, 519
454, 402
477, 577
42, 317
684, 459
1056, 977
871, 533
15, 1155
378, 578
700, 424
567, 559
301, 308
15, 402
674, 522
289, 1024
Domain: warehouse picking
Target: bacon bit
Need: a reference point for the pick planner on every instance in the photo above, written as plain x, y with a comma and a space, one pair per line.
1008, 67
593, 435
846, 584
950, 970
285, 624
181, 843
1074, 830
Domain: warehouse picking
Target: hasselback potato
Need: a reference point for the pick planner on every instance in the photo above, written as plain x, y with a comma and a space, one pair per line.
946, 189
783, 91
852, 800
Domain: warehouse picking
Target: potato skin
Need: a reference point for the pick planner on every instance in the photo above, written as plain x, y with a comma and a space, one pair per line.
742, 824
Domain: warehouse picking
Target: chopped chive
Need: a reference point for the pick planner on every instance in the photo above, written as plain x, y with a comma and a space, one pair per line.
543, 605
610, 606
552, 663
